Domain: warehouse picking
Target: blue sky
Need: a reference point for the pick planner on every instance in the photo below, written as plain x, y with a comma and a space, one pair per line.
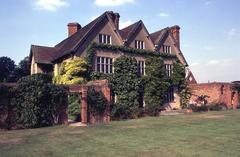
210, 29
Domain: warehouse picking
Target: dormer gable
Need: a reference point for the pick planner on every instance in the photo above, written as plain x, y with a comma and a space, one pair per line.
165, 42
137, 36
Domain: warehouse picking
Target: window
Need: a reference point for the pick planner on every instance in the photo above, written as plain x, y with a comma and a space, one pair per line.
141, 68
170, 95
168, 69
167, 49
105, 39
139, 44
104, 65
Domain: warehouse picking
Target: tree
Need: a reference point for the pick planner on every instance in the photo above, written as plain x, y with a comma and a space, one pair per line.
155, 85
21, 70
126, 85
72, 72
7, 65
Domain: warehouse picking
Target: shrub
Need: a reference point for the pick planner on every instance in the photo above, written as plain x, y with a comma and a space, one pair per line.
196, 108
6, 95
96, 101
38, 101
74, 107
72, 72
217, 107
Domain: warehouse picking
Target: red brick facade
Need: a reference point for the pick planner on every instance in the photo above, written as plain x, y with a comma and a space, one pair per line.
216, 93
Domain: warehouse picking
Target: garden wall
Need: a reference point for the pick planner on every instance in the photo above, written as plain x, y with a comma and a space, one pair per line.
216, 93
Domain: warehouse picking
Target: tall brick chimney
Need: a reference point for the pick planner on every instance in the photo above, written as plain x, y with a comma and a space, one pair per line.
115, 18
73, 28
175, 30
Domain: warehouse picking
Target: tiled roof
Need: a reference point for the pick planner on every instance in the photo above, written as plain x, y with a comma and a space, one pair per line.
68, 45
159, 35
129, 30
46, 55
43, 54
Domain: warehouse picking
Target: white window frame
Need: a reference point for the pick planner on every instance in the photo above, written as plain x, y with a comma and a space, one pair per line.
168, 69
141, 67
139, 44
104, 65
167, 49
103, 39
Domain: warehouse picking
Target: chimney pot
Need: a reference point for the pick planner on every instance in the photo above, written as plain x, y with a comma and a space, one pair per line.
73, 27
175, 30
115, 18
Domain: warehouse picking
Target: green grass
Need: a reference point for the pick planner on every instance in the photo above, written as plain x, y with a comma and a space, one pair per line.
213, 134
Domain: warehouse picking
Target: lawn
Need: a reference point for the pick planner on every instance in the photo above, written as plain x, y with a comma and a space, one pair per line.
213, 134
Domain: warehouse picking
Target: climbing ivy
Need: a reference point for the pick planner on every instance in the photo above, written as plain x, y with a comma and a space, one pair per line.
126, 85
156, 85
178, 79
116, 48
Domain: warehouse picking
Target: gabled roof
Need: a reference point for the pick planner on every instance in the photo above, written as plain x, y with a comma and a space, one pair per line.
128, 33
70, 44
43, 54
129, 30
190, 77
158, 36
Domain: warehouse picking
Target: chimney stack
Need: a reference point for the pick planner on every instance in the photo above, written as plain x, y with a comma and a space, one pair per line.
175, 30
115, 18
73, 28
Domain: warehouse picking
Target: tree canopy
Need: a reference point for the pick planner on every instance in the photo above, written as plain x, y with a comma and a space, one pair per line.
7, 65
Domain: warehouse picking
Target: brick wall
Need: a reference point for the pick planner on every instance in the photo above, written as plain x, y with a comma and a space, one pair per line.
216, 93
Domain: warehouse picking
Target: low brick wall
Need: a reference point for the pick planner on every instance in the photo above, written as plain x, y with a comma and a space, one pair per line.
216, 93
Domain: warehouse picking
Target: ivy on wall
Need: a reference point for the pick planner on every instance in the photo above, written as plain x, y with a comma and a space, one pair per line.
127, 50
178, 79
126, 85
156, 85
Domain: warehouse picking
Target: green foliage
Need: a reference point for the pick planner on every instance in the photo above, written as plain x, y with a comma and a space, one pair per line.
74, 107
7, 65
100, 76
38, 101
23, 69
178, 79
96, 101
115, 49
5, 97
72, 72
126, 85
155, 85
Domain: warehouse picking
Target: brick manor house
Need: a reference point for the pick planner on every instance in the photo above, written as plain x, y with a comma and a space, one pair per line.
105, 30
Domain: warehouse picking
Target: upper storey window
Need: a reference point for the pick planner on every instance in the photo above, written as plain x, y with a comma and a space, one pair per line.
167, 49
105, 39
168, 69
139, 44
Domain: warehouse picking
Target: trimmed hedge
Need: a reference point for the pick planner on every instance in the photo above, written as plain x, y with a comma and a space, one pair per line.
38, 101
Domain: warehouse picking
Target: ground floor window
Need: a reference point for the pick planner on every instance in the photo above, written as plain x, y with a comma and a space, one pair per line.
141, 68
170, 95
104, 65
